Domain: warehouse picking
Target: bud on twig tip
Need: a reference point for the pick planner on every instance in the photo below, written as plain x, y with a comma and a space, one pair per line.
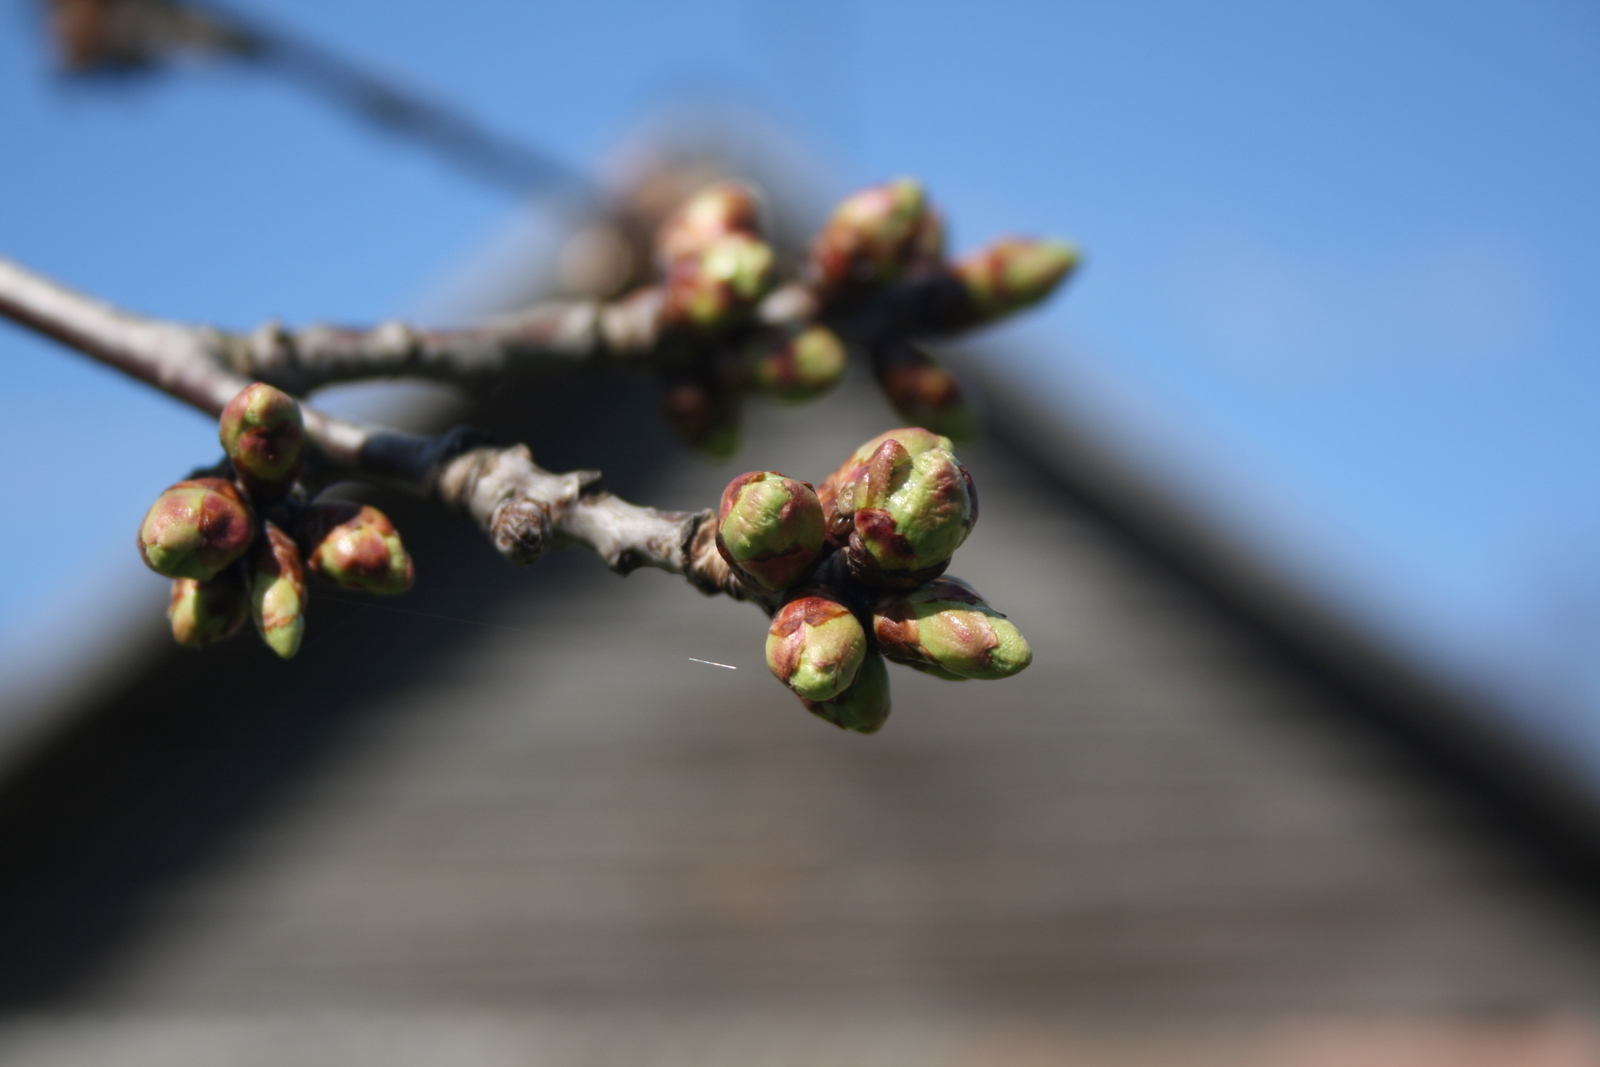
795, 365
876, 237
264, 435
864, 706
945, 625
354, 546
769, 528
196, 528
278, 592
203, 613
815, 646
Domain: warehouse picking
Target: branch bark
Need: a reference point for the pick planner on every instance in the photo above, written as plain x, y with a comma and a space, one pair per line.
524, 509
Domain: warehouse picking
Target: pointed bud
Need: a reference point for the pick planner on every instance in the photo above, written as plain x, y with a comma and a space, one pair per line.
946, 625
354, 546
920, 390
815, 646
795, 365
196, 528
838, 513
203, 613
769, 528
264, 435
723, 208
703, 414
997, 281
864, 707
278, 592
718, 286
876, 237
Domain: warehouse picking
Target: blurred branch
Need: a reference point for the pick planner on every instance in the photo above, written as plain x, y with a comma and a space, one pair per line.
523, 508
123, 36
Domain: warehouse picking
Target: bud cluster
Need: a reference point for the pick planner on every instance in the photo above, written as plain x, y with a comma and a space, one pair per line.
853, 573
241, 548
875, 279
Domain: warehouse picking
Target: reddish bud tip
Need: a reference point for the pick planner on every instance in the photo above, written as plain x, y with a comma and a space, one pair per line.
921, 391
719, 285
815, 646
795, 365
721, 209
354, 546
196, 528
264, 435
947, 626
769, 528
876, 237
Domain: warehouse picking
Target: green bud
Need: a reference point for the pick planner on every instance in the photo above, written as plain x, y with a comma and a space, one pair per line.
719, 285
278, 592
837, 492
920, 390
1004, 278
264, 435
723, 208
876, 237
907, 511
769, 528
864, 707
815, 646
703, 414
795, 365
354, 546
946, 625
196, 528
203, 613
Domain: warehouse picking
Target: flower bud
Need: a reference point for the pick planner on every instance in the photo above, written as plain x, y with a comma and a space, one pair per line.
724, 208
278, 592
704, 414
719, 285
354, 546
876, 237
920, 390
795, 365
203, 613
815, 646
945, 625
837, 513
903, 511
1006, 277
263, 433
864, 707
196, 528
769, 528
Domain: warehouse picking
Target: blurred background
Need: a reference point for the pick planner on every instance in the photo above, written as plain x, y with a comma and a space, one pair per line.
1338, 286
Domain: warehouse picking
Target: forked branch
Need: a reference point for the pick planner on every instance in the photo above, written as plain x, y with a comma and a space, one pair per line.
523, 508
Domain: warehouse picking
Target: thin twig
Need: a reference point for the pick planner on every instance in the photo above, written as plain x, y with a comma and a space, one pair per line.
523, 508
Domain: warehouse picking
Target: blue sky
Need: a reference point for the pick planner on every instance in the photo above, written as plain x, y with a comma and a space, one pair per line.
1340, 285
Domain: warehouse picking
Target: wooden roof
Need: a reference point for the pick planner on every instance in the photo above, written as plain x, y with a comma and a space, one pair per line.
516, 796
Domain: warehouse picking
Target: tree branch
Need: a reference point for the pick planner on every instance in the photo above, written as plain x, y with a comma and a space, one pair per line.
524, 509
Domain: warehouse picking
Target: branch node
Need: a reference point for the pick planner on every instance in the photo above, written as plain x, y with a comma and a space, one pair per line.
520, 530
704, 566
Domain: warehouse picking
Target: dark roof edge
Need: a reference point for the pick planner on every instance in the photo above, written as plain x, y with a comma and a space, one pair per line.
1457, 733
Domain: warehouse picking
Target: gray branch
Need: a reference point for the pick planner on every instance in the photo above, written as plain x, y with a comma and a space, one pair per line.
524, 509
